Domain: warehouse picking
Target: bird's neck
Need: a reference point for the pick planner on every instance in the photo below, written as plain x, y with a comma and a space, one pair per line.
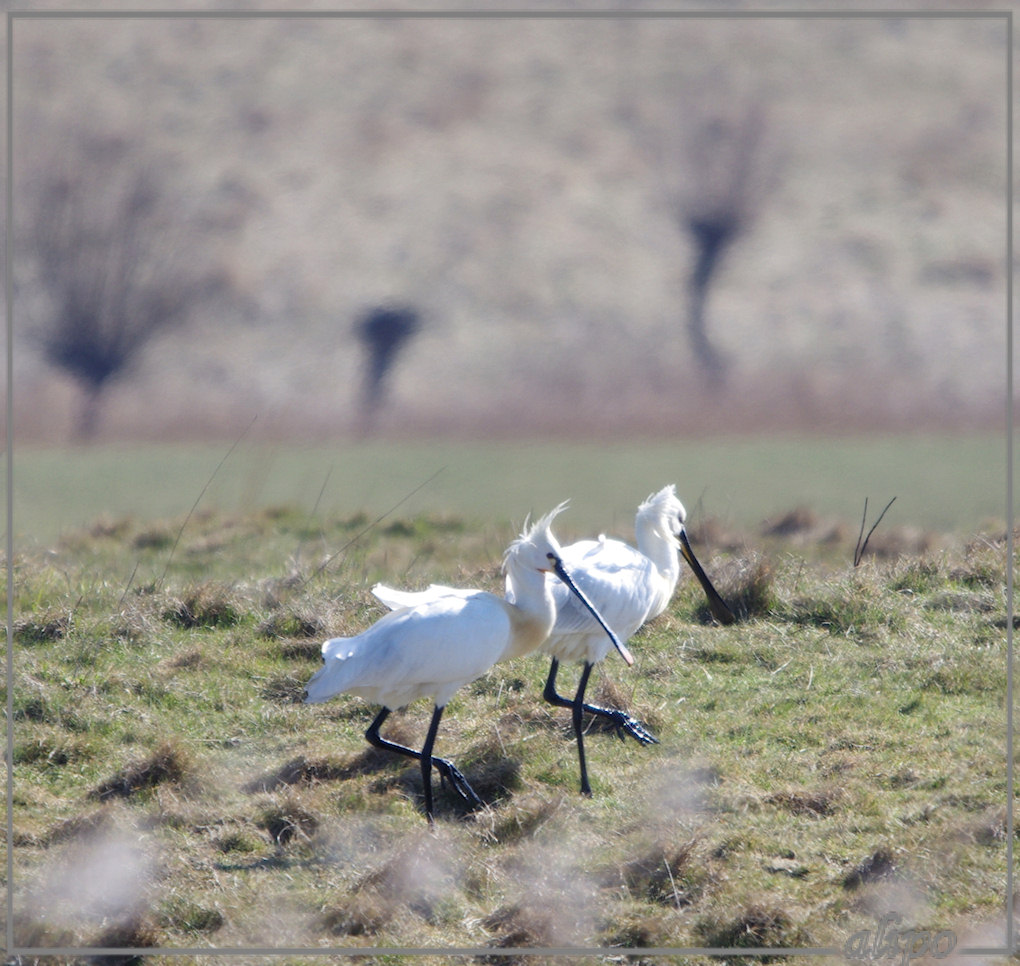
533, 611
660, 547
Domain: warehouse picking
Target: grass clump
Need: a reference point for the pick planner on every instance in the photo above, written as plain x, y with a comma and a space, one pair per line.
132, 932
800, 802
208, 605
533, 923
757, 926
287, 820
523, 817
41, 629
919, 575
300, 771
880, 865
364, 914
666, 873
748, 585
181, 914
170, 762
845, 612
292, 624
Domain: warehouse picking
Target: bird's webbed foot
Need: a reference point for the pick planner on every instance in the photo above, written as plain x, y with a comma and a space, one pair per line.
624, 725
449, 773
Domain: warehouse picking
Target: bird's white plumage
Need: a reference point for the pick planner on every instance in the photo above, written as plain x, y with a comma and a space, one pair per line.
394, 598
431, 646
429, 650
628, 586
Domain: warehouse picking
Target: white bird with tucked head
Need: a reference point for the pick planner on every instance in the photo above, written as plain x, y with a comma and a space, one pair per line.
629, 587
436, 645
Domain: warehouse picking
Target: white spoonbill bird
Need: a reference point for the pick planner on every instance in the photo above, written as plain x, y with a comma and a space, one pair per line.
437, 645
628, 586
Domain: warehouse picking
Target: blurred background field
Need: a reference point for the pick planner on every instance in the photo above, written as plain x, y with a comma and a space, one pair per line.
668, 227
941, 484
717, 251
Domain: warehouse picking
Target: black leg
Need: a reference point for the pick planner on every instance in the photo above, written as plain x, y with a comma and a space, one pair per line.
549, 693
373, 737
426, 760
446, 769
625, 724
578, 715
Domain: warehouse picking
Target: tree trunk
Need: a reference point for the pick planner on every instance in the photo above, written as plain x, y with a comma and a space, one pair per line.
87, 424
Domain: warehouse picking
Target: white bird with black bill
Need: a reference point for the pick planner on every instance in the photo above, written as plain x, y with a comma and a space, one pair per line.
434, 646
629, 587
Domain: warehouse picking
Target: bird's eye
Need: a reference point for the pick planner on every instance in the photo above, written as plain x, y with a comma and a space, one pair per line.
551, 557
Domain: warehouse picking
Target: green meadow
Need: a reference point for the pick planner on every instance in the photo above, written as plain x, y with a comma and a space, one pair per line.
836, 756
944, 483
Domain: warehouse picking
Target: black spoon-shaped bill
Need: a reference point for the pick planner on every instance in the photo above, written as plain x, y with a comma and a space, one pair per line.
719, 608
561, 572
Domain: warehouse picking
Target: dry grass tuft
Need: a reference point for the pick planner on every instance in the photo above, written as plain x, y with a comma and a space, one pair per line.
748, 585
236, 840
287, 820
33, 932
611, 695
989, 829
209, 605
798, 521
492, 773
416, 879
302, 650
168, 763
757, 926
300, 771
981, 567
135, 932
191, 659
824, 802
902, 541
285, 689
711, 534
86, 827
556, 901
879, 865
107, 528
157, 536
608, 694
362, 914
41, 629
664, 873
525, 924
642, 930
295, 623
523, 817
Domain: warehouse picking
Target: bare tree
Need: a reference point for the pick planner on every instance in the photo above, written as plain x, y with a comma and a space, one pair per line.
725, 181
108, 249
715, 166
383, 331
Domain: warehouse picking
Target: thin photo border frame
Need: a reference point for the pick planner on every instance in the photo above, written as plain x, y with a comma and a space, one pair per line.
521, 14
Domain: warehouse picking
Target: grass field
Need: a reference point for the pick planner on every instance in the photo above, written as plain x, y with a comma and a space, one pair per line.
948, 483
836, 756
